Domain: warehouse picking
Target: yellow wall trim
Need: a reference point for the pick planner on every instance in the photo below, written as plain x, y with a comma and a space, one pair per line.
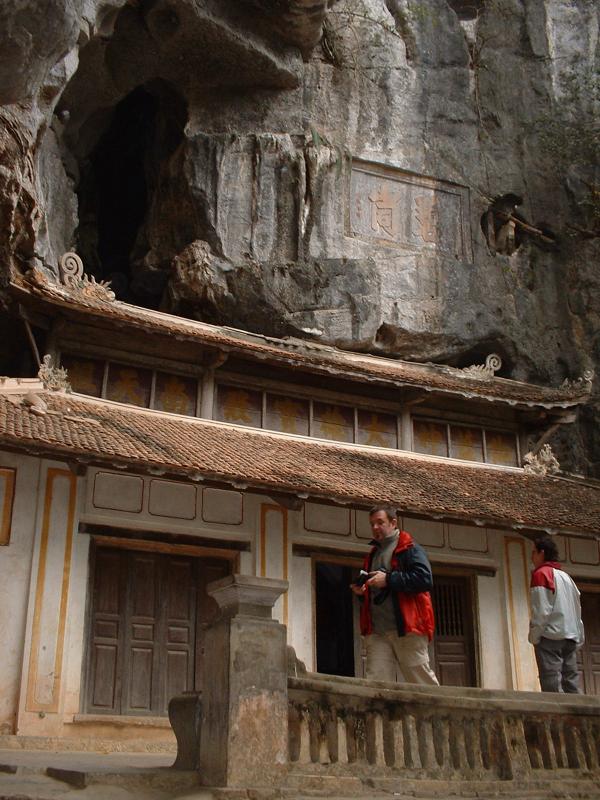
32, 704
7, 475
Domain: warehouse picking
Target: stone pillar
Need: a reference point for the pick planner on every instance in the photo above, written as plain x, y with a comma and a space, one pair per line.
244, 738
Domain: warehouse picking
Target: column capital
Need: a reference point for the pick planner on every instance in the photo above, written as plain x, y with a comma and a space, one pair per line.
247, 595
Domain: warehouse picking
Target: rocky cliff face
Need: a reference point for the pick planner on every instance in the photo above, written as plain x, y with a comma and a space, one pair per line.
422, 181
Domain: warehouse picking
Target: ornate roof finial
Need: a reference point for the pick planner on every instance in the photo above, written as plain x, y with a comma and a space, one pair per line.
73, 277
484, 372
542, 463
71, 269
584, 383
53, 378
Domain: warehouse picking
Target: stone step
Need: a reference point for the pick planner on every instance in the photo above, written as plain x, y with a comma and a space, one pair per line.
82, 744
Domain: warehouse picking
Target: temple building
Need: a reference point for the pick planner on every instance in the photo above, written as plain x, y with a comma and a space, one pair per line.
155, 454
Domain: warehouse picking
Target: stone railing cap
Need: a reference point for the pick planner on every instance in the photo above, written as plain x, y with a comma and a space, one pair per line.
247, 590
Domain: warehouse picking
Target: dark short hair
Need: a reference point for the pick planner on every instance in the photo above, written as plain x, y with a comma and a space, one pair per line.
547, 546
390, 511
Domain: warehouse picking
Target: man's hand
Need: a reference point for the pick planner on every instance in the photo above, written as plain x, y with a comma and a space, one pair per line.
377, 580
358, 590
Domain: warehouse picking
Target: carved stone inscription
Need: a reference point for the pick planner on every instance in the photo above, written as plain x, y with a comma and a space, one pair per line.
400, 208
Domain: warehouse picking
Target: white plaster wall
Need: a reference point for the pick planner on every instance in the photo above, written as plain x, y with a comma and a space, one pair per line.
492, 622
75, 633
15, 572
301, 612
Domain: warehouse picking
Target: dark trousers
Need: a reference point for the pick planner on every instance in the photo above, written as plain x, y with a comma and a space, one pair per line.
557, 665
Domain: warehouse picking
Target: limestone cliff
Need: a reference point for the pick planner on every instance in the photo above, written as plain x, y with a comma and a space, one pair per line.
422, 180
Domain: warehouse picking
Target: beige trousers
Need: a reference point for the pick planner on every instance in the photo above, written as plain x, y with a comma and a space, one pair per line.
403, 659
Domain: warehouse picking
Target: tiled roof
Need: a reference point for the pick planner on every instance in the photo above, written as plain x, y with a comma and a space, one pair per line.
305, 355
95, 431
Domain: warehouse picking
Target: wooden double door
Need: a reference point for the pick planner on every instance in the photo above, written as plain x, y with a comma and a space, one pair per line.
147, 619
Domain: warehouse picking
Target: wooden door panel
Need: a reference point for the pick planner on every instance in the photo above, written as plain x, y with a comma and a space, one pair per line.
180, 579
141, 673
452, 673
453, 642
179, 627
105, 647
141, 663
104, 670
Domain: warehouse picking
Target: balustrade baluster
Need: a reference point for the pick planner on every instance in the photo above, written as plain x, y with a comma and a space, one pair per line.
426, 748
458, 748
304, 755
342, 740
374, 744
547, 746
412, 757
575, 752
441, 742
393, 741
558, 739
473, 745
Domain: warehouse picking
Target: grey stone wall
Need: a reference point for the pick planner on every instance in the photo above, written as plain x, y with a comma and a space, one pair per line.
260, 209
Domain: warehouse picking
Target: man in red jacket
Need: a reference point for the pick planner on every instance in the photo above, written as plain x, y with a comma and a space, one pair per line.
396, 615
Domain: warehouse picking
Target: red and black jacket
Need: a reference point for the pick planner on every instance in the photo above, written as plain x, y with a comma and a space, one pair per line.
409, 582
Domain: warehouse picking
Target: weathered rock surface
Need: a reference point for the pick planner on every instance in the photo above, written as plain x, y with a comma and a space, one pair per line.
209, 159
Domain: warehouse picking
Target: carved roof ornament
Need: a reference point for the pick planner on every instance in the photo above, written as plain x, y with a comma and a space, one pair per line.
73, 277
484, 372
542, 463
53, 378
584, 383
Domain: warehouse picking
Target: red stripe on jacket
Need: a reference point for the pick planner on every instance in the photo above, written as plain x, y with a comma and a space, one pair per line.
544, 575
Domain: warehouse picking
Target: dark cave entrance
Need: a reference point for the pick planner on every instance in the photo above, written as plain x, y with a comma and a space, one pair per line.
117, 191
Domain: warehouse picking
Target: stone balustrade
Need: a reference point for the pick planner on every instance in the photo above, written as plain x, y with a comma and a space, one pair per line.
262, 721
354, 727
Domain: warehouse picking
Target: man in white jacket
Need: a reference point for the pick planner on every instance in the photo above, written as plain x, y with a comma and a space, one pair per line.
555, 629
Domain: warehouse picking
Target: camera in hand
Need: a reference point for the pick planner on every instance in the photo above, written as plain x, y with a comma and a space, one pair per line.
363, 577
381, 595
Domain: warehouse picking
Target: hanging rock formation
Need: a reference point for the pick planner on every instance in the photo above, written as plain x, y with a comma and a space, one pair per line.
412, 179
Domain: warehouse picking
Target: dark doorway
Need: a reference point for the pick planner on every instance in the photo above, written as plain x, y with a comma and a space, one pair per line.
334, 614
148, 615
589, 654
453, 642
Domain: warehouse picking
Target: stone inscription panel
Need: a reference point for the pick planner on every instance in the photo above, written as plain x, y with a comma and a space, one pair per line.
405, 210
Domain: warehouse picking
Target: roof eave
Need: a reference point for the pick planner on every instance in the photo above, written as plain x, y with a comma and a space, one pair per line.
79, 460
59, 298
